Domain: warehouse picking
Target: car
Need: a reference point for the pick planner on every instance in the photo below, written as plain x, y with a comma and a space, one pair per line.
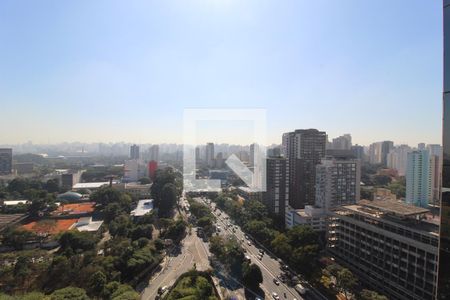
249, 243
246, 237
275, 296
300, 289
162, 290
276, 281
247, 258
260, 257
261, 251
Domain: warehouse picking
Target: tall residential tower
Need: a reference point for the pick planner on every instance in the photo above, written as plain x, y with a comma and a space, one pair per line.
303, 148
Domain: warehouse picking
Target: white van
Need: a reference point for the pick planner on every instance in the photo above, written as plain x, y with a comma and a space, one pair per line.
300, 289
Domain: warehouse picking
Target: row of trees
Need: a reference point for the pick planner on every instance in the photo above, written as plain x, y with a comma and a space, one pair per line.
204, 218
341, 280
42, 196
229, 258
299, 246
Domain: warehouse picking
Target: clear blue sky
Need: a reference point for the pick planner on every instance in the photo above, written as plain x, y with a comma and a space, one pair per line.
125, 70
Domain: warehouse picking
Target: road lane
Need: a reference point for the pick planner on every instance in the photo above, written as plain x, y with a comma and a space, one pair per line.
270, 267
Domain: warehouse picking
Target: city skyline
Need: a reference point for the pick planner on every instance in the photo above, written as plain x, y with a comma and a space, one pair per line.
364, 68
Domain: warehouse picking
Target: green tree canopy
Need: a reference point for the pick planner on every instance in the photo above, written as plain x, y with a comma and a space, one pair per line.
69, 293
251, 276
371, 295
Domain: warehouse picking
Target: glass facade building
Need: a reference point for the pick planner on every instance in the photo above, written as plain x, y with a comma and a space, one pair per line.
444, 241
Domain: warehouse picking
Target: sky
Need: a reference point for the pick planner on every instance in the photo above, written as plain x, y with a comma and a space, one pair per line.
108, 71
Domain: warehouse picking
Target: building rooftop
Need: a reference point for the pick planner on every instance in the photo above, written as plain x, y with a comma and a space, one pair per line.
407, 216
394, 207
89, 185
14, 202
7, 219
246, 189
143, 207
86, 224
70, 196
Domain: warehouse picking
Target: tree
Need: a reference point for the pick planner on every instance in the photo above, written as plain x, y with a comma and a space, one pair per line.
97, 283
199, 210
251, 276
163, 177
38, 207
33, 296
114, 290
128, 295
52, 186
168, 199
111, 212
260, 231
21, 269
381, 180
371, 295
301, 235
204, 288
176, 230
255, 210
18, 185
121, 226
304, 257
397, 188
69, 293
107, 195
281, 247
77, 241
17, 237
345, 281
141, 231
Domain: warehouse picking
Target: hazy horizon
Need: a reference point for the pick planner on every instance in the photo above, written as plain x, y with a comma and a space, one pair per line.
116, 71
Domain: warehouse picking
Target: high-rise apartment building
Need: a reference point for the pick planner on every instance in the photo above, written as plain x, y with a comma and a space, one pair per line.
435, 179
134, 170
274, 151
397, 159
303, 148
209, 154
154, 153
378, 152
358, 152
338, 179
343, 142
337, 182
389, 245
418, 178
276, 197
134, 152
444, 240
197, 155
5, 161
253, 148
